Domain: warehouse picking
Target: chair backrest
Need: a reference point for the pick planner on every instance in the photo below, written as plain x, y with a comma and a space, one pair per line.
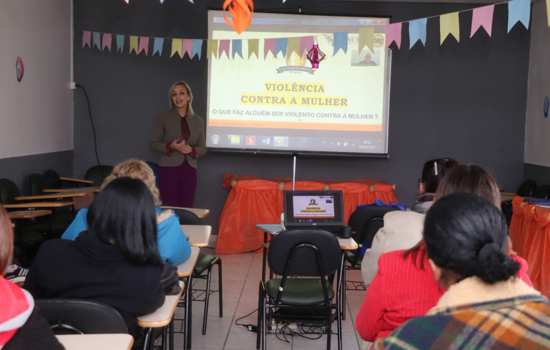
98, 173
81, 316
156, 170
50, 179
295, 253
365, 222
187, 217
33, 184
8, 191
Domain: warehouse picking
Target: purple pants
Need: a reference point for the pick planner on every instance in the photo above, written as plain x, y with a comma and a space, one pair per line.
178, 185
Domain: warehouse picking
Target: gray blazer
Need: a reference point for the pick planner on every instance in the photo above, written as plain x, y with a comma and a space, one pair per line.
167, 128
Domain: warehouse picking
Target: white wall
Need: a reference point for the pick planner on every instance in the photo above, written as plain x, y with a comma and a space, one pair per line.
36, 115
537, 128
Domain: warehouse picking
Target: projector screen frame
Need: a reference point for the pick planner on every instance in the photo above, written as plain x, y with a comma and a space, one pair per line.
289, 152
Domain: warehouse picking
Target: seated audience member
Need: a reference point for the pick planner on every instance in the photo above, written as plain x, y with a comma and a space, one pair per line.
21, 326
172, 243
403, 229
404, 286
485, 305
114, 262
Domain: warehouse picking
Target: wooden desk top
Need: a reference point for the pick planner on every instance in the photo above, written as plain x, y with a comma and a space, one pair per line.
163, 315
37, 205
274, 229
186, 269
72, 179
200, 212
51, 196
73, 189
199, 235
28, 214
96, 341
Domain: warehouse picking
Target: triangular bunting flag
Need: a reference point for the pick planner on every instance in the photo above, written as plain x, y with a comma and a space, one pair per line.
270, 45
134, 40
86, 38
212, 48
482, 17
196, 48
281, 46
236, 48
449, 25
177, 47
107, 41
224, 48
253, 47
97, 40
366, 38
306, 43
340, 42
417, 31
120, 42
158, 46
393, 34
293, 47
143, 45
519, 11
187, 45
548, 11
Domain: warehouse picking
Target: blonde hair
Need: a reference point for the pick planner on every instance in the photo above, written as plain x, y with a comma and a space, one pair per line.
136, 169
6, 240
189, 93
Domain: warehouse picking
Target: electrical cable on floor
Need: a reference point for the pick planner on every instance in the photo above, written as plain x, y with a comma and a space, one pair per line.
249, 326
94, 134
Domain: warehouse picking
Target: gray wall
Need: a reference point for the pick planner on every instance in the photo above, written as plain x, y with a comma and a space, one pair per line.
17, 168
462, 100
537, 127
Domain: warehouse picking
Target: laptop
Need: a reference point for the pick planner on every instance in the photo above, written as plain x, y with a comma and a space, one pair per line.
314, 210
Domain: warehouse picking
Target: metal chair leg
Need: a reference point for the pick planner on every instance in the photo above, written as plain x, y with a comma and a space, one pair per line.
220, 287
206, 300
260, 315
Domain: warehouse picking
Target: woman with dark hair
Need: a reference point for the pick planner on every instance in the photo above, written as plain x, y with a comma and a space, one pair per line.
485, 305
21, 326
115, 262
404, 286
403, 229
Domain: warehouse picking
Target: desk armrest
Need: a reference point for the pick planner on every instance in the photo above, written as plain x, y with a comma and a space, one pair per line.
72, 179
200, 212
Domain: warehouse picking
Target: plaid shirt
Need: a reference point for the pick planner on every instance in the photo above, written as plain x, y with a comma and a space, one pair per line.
515, 323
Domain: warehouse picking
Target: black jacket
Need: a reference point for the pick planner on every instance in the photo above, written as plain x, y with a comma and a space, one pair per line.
90, 269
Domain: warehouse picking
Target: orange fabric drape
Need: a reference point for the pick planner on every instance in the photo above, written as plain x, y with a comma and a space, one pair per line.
530, 234
256, 201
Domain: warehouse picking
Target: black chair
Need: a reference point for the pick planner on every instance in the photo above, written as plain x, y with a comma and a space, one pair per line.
33, 184
75, 316
365, 221
306, 262
203, 269
98, 173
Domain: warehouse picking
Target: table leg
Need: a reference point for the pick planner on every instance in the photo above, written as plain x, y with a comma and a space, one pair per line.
188, 311
264, 256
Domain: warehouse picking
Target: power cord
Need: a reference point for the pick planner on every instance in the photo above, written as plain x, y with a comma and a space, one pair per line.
94, 134
249, 326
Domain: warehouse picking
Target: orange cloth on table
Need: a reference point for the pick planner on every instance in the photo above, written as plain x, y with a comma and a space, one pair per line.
249, 202
517, 223
256, 201
538, 249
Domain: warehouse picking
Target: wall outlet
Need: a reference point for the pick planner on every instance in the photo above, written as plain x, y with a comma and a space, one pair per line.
72, 85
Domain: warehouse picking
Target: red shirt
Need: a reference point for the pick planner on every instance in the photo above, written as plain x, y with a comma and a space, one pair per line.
402, 290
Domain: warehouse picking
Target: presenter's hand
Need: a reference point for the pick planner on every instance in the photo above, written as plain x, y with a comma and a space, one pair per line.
183, 147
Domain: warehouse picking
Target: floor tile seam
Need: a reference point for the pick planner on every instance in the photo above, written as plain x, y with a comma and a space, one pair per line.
232, 323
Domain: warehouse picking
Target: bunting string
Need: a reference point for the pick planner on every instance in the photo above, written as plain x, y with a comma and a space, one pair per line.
519, 12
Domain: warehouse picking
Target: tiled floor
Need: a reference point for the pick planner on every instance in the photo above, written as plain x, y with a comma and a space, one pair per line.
241, 275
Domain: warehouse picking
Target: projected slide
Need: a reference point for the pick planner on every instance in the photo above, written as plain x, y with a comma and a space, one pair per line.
265, 93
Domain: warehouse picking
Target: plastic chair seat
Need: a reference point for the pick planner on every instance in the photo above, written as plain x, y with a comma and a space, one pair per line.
299, 291
204, 261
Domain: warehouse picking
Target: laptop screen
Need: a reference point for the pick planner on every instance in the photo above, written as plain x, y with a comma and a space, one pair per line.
313, 208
